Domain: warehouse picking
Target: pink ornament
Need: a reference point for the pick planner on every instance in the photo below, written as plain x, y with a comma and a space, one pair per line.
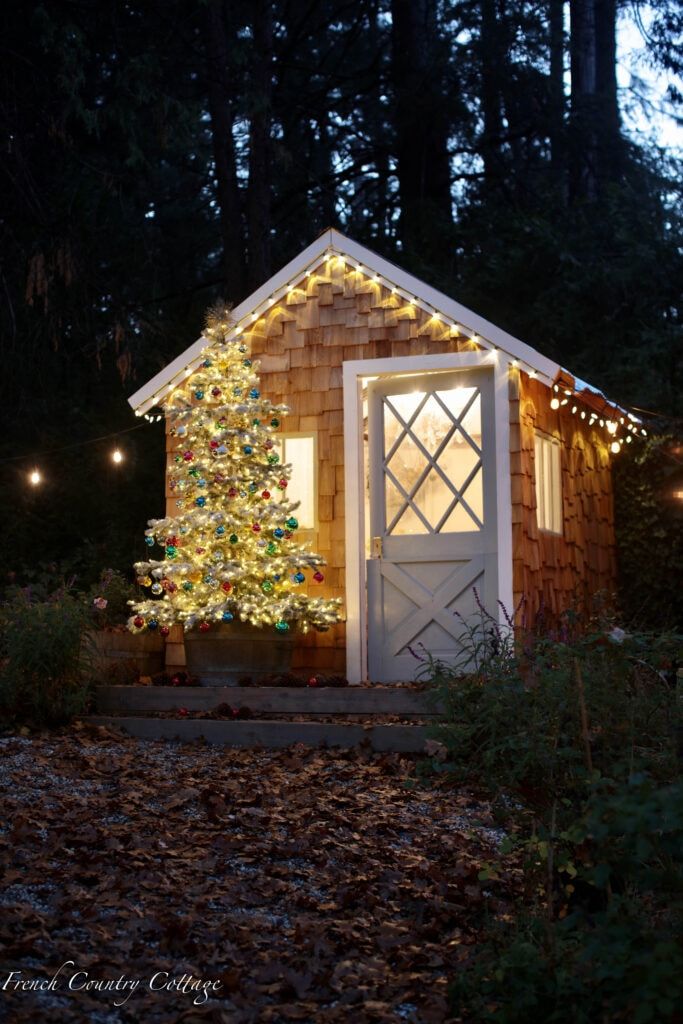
318, 577
188, 456
164, 631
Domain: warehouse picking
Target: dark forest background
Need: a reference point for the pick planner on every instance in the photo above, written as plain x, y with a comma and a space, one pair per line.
157, 156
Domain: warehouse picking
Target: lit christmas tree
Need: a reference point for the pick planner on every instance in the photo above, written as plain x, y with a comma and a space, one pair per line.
230, 552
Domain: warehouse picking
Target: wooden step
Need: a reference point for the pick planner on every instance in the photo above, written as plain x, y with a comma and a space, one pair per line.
273, 734
348, 700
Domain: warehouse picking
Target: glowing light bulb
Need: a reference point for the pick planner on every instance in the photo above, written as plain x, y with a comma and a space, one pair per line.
117, 456
554, 403
35, 478
615, 447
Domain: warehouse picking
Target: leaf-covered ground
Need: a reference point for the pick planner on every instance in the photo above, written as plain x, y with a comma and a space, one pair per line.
314, 885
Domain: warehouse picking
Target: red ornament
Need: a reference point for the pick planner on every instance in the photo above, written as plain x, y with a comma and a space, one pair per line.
172, 541
265, 495
227, 586
318, 577
216, 392
204, 627
175, 680
200, 551
182, 712
232, 493
214, 444
282, 484
219, 478
288, 534
268, 445
171, 587
164, 631
138, 622
256, 527
188, 456
312, 681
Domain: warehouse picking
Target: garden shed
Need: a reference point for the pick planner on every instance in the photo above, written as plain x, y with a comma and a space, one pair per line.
441, 464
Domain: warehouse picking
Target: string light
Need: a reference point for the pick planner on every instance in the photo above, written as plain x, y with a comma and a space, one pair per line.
35, 478
117, 456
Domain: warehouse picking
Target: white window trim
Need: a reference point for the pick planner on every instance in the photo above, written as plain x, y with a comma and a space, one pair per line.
284, 436
550, 501
353, 372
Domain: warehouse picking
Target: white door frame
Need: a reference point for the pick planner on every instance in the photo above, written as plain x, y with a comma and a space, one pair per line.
353, 372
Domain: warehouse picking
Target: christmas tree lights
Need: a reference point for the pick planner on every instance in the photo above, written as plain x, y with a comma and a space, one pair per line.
231, 552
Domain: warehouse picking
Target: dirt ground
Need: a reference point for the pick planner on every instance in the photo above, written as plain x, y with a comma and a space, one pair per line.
161, 882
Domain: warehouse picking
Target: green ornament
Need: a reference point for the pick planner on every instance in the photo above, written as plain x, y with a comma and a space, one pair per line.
193, 472
177, 458
187, 585
292, 523
171, 551
233, 538
282, 627
272, 459
256, 423
266, 586
272, 548
275, 423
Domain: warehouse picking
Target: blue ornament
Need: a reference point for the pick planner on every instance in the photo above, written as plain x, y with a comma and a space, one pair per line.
171, 551
149, 541
227, 616
221, 450
279, 533
199, 394
282, 627
247, 449
252, 487
201, 501
243, 348
237, 392
207, 362
152, 624
183, 529
208, 578
277, 577
246, 362
254, 393
201, 483
299, 577
220, 530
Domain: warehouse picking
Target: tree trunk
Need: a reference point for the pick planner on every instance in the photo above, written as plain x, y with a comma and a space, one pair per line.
221, 111
421, 130
490, 59
557, 104
260, 171
596, 144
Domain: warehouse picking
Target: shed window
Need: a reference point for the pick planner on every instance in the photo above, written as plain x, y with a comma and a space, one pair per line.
299, 451
548, 483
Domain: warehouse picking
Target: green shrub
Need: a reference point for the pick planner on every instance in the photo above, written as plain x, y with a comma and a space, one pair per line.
575, 736
108, 599
44, 655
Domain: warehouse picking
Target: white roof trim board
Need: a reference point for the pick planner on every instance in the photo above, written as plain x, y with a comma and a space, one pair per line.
333, 243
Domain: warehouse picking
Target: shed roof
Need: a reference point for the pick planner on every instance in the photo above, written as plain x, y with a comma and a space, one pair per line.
333, 243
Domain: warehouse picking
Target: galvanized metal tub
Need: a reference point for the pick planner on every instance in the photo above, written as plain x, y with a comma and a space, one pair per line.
229, 652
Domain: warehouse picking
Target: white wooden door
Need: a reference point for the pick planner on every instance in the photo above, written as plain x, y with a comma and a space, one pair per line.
432, 488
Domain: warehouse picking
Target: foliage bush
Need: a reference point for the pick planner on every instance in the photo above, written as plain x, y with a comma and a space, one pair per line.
108, 599
44, 658
576, 736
